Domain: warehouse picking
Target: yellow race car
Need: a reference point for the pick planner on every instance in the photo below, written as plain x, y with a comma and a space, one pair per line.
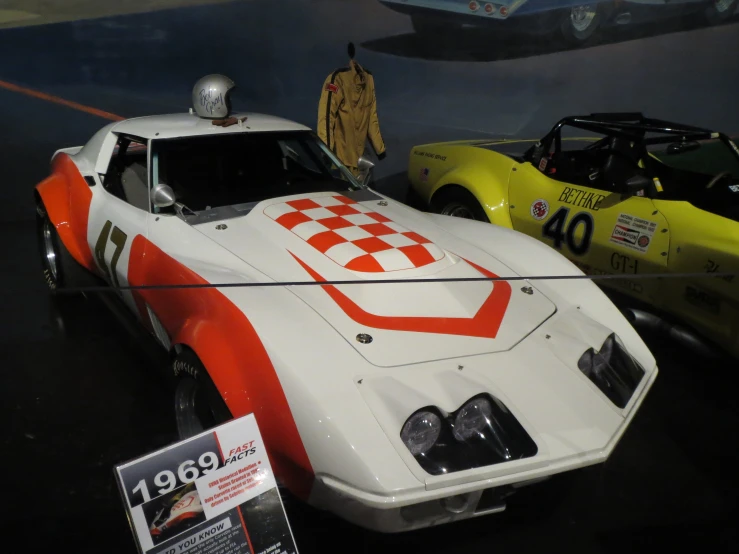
618, 194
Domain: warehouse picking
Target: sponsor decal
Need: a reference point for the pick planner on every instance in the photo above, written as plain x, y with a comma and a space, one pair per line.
424, 174
713, 267
183, 367
633, 232
429, 155
702, 299
734, 188
539, 209
581, 198
331, 87
543, 164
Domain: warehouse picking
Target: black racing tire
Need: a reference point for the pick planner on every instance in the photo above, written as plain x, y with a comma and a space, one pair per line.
456, 201
430, 26
580, 23
719, 11
59, 268
198, 404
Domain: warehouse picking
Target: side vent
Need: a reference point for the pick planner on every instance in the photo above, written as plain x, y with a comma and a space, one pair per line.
159, 331
90, 180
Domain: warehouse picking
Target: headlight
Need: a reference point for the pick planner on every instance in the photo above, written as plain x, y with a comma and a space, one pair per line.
421, 431
472, 419
613, 370
481, 433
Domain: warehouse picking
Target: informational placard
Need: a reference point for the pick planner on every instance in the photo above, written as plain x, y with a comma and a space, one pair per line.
214, 493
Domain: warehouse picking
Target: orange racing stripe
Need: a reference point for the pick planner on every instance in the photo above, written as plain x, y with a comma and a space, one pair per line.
230, 348
61, 101
485, 323
67, 197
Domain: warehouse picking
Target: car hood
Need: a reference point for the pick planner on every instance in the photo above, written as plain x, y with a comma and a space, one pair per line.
365, 238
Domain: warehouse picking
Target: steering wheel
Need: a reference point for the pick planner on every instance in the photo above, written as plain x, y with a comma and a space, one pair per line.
719, 177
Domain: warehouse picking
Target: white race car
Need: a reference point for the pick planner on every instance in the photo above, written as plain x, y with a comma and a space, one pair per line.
395, 405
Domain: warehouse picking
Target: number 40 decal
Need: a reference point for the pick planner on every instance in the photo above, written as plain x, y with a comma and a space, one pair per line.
118, 238
561, 231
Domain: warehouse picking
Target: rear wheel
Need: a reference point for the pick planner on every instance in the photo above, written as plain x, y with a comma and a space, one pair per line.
719, 11
458, 202
198, 404
581, 23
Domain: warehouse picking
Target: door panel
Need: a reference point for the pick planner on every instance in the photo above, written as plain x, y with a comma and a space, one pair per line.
112, 226
704, 243
602, 232
119, 211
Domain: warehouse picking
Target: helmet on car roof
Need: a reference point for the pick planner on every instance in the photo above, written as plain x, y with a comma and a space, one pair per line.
211, 96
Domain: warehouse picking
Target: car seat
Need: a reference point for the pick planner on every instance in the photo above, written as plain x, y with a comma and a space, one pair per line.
621, 164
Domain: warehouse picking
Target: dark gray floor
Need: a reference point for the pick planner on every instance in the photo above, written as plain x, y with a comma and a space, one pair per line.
81, 394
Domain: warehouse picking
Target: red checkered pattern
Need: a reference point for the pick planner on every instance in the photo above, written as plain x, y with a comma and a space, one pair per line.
354, 236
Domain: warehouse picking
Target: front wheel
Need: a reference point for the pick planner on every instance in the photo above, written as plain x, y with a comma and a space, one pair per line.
719, 11
458, 202
580, 24
198, 404
59, 268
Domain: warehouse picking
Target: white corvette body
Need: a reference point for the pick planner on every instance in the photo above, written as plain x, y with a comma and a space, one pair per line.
331, 407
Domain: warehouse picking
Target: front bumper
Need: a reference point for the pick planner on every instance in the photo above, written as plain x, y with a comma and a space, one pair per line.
406, 511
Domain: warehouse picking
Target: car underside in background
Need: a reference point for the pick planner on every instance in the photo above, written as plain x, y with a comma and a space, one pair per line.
572, 21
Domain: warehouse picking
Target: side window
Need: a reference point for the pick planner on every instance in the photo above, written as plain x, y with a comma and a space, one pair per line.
127, 176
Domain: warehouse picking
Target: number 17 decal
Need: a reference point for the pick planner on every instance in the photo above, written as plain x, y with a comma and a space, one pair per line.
561, 231
118, 238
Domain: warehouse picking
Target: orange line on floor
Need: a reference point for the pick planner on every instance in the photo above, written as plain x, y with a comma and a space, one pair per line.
61, 101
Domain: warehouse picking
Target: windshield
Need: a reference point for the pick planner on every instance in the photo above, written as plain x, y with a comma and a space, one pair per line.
710, 157
242, 168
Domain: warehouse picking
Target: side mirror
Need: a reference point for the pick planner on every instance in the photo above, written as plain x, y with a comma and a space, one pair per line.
162, 196
365, 167
636, 183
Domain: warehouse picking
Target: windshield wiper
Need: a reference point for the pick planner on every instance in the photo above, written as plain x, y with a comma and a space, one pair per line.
181, 208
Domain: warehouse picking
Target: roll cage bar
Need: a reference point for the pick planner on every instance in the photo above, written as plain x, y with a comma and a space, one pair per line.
629, 126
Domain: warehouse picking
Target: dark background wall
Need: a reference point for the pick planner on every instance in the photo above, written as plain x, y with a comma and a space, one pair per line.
467, 85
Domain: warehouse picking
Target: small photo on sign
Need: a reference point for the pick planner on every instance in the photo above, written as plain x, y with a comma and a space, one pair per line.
173, 513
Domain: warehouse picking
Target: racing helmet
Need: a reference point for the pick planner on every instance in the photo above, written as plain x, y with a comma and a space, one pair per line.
211, 96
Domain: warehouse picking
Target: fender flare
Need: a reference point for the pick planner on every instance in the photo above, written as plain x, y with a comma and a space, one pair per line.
66, 197
225, 367
220, 334
499, 216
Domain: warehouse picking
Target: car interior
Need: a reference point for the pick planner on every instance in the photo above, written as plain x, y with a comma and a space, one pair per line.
211, 172
609, 163
127, 176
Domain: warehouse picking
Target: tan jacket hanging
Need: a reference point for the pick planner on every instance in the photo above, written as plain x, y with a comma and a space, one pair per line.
347, 114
